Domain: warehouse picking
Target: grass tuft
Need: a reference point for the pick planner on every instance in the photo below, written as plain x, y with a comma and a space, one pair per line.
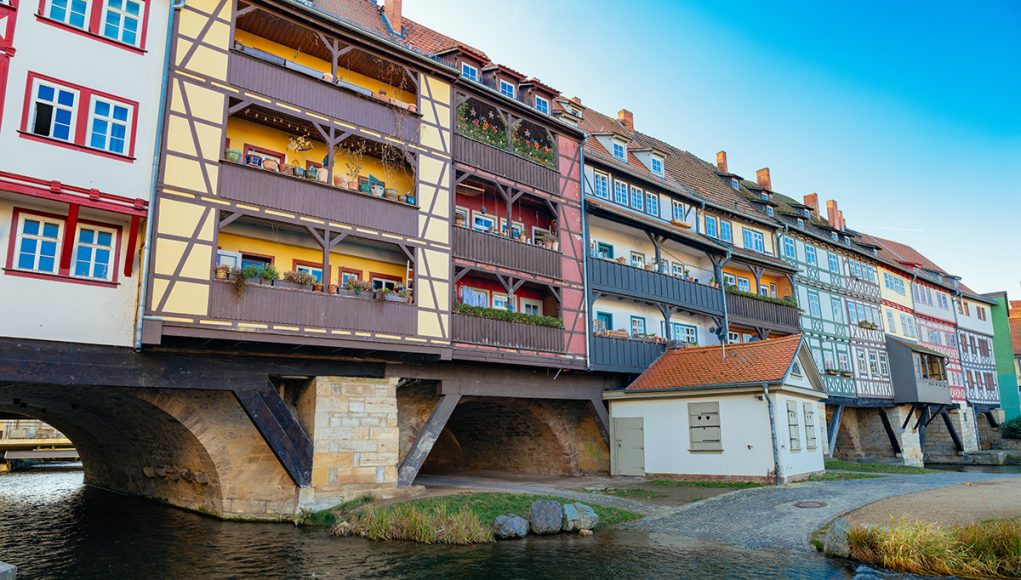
839, 476
981, 550
875, 467
712, 484
633, 492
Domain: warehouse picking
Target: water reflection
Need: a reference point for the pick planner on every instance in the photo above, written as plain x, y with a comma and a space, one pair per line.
52, 526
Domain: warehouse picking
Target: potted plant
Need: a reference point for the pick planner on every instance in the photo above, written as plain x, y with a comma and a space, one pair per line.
831, 372
232, 155
459, 220
405, 294
621, 260
392, 295
312, 173
297, 280
333, 289
297, 171
222, 272
285, 167
376, 189
846, 374
356, 288
239, 281
390, 193
328, 77
713, 283
268, 274
409, 198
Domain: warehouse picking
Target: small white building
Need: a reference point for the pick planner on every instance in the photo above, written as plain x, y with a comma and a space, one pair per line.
744, 412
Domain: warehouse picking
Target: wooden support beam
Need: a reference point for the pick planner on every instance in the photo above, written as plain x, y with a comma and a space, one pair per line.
894, 442
604, 418
281, 431
992, 420
833, 429
762, 332
315, 234
427, 437
410, 253
923, 414
246, 10
949, 422
241, 106
934, 414
907, 419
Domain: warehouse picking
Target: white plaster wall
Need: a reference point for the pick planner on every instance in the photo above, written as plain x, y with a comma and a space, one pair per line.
738, 227
46, 309
623, 310
885, 293
949, 314
625, 239
971, 321
794, 463
73, 58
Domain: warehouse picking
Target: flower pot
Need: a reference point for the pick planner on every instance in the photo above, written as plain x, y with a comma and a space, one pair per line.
232, 155
376, 190
340, 181
328, 77
318, 287
253, 161
297, 171
831, 372
285, 168
270, 164
393, 297
846, 374
312, 174
459, 221
364, 188
222, 272
390, 194
556, 247
332, 289
413, 108
323, 176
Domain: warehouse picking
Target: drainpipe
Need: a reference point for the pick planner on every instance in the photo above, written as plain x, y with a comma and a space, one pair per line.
143, 271
777, 479
586, 240
725, 331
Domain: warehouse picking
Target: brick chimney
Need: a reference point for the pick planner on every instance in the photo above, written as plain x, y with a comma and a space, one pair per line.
721, 161
763, 179
832, 213
812, 201
626, 118
392, 11
576, 100
840, 217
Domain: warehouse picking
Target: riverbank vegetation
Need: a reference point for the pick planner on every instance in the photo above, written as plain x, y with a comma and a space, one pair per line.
705, 484
990, 549
454, 519
841, 476
876, 467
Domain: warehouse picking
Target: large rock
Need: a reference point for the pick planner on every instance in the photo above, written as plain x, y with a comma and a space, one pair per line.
510, 527
836, 543
578, 516
545, 517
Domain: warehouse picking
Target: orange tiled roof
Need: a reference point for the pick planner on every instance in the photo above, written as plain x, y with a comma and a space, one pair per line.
765, 361
363, 13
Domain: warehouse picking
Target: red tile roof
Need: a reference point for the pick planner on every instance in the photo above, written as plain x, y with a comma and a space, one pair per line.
362, 13
765, 361
428, 40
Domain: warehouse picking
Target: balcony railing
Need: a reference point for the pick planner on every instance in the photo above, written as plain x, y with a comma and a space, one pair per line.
623, 355
274, 190
277, 80
749, 311
269, 304
622, 280
485, 331
505, 164
505, 252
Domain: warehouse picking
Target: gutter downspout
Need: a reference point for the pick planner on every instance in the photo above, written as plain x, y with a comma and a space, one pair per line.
777, 478
725, 331
143, 284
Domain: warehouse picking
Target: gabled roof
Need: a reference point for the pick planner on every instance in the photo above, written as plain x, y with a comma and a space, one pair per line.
431, 41
752, 363
362, 13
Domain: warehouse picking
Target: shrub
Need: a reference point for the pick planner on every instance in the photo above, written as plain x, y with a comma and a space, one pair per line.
1011, 429
301, 278
508, 316
787, 301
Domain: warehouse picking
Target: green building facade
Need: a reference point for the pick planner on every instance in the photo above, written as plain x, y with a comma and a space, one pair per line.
1004, 351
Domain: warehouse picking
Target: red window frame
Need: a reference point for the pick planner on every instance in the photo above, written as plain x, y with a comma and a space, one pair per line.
84, 108
95, 23
256, 150
67, 243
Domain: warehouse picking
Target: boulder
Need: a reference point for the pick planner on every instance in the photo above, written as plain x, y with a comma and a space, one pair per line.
836, 543
578, 516
545, 517
584, 532
510, 527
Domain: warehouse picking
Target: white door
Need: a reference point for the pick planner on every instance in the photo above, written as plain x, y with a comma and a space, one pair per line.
628, 446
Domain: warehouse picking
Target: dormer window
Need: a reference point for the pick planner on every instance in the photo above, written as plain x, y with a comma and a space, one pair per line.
801, 223
764, 196
769, 210
506, 89
734, 183
469, 72
834, 236
847, 239
657, 166
619, 151
804, 212
542, 105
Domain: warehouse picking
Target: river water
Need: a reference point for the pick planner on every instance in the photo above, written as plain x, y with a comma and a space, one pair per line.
52, 526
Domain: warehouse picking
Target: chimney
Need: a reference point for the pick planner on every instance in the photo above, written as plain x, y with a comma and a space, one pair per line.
832, 213
762, 178
576, 100
840, 218
392, 11
626, 118
721, 161
812, 201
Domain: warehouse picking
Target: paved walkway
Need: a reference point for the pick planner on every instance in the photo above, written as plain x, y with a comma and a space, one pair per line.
765, 517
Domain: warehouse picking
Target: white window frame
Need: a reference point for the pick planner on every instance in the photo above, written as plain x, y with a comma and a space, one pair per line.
526, 302
790, 249
384, 283
603, 178
688, 331
677, 212
814, 305
652, 203
713, 232
477, 215
112, 249
311, 270
656, 166
519, 226
794, 429
620, 187
614, 147
744, 284
810, 255
637, 198
641, 258
544, 107
500, 301
346, 277
59, 241
727, 230
536, 230
67, 15
229, 259
634, 327
110, 121
55, 105
124, 14
508, 89
758, 241
469, 72
480, 291
729, 280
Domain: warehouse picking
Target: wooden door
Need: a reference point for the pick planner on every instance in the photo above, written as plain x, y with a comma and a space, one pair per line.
628, 446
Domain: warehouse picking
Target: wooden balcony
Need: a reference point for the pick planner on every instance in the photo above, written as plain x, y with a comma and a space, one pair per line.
746, 311
484, 331
505, 164
505, 253
296, 85
623, 355
272, 305
277, 191
622, 280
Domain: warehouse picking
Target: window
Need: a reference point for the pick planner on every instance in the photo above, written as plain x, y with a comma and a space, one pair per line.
346, 277
733, 337
537, 233
483, 223
657, 166
789, 249
542, 105
772, 289
711, 228
835, 308
469, 72
121, 21
637, 259
834, 236
834, 263
801, 223
108, 125
475, 297
895, 283
794, 430
507, 89
531, 306
770, 211
704, 427
891, 324
637, 198
620, 192
810, 255
38, 244
601, 185
54, 109
677, 269
314, 271
637, 326
884, 365
229, 259
873, 363
844, 361
619, 151
813, 305
255, 261
684, 333
652, 203
500, 301
735, 184
378, 283
763, 290
604, 251
754, 240
603, 321
981, 312
516, 228
729, 280
908, 324
983, 347
677, 212
727, 231
862, 361
744, 284
796, 369
810, 437
72, 12
461, 212
931, 367
93, 253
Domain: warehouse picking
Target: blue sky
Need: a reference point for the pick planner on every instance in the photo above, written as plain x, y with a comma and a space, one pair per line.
907, 113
